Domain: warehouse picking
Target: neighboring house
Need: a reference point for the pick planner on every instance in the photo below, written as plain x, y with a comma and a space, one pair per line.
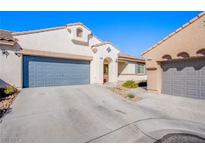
67, 55
176, 65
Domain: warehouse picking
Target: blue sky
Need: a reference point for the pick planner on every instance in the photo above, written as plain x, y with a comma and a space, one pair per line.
132, 32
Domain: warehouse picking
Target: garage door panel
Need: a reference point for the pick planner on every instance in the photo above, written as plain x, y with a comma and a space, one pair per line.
191, 83
42, 71
167, 88
202, 94
177, 81
202, 72
202, 83
184, 78
178, 89
192, 93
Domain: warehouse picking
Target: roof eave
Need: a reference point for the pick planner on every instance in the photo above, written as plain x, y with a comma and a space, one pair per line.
131, 59
32, 52
175, 32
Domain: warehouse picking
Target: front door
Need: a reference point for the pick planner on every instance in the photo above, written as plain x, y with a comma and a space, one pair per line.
105, 73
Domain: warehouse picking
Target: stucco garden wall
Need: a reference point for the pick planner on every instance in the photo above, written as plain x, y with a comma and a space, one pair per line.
134, 77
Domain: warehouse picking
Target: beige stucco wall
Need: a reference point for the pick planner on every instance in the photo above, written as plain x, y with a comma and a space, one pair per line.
129, 68
73, 32
121, 66
11, 66
65, 41
94, 40
135, 77
190, 39
59, 40
98, 60
127, 72
62, 41
152, 80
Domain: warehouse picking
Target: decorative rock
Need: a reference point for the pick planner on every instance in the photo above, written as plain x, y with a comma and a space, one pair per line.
1, 106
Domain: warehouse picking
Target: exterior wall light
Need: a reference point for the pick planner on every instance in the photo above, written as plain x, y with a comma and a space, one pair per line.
5, 52
18, 54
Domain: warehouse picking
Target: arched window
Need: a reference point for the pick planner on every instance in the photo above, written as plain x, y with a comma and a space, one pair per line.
79, 32
167, 57
183, 55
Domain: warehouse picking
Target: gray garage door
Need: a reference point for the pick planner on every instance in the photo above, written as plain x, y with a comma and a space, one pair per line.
184, 78
42, 72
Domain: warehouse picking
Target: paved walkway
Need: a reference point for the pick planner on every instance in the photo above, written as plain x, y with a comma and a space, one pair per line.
93, 113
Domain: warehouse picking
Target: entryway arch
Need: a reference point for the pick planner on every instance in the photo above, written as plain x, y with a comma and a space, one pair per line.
107, 69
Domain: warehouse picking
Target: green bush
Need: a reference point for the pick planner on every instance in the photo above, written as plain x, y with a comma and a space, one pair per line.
130, 95
130, 84
142, 84
9, 90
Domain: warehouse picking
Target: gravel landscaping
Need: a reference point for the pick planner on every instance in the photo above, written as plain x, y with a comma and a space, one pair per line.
127, 93
6, 100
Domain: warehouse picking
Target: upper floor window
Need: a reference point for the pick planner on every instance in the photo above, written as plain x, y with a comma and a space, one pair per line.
79, 32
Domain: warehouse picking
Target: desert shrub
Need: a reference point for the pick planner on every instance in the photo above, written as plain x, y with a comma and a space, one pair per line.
9, 90
130, 84
130, 95
142, 84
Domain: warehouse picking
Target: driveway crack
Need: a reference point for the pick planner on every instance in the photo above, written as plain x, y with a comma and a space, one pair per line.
146, 134
121, 128
137, 128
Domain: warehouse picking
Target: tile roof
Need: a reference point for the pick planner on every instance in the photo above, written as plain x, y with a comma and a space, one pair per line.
7, 36
124, 55
173, 33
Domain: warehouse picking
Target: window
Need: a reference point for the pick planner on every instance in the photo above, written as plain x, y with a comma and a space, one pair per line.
108, 49
79, 32
139, 68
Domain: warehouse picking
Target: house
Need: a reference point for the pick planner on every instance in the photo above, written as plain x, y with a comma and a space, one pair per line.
66, 55
176, 65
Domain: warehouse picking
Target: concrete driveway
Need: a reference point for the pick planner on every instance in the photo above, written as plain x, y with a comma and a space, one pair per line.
93, 113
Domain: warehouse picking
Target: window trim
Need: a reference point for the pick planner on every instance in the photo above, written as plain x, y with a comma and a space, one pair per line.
139, 68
